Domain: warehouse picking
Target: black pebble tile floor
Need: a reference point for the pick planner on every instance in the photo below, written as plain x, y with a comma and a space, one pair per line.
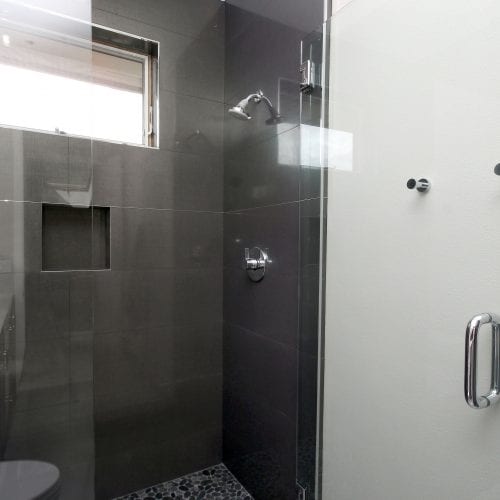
214, 483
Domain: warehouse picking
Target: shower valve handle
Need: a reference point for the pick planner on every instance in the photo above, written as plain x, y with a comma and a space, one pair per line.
253, 263
256, 261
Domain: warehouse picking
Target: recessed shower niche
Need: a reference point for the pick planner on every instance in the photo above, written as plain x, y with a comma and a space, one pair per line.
75, 238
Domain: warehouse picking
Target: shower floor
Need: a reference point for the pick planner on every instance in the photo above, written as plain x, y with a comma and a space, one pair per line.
214, 483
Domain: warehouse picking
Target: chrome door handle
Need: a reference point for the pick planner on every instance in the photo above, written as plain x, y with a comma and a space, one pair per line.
470, 382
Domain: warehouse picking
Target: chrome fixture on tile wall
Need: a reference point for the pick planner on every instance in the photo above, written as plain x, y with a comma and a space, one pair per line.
256, 261
240, 110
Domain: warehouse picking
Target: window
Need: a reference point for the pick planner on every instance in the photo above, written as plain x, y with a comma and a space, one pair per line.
105, 89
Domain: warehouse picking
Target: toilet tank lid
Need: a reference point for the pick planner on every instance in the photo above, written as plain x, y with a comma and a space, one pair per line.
27, 479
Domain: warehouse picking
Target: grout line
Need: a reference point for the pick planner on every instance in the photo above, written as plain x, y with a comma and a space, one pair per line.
215, 101
124, 207
236, 211
235, 152
263, 337
219, 37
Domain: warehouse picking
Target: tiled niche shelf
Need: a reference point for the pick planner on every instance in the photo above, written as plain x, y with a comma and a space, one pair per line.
75, 238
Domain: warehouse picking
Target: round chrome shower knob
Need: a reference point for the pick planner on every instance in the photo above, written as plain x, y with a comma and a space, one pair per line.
256, 261
422, 185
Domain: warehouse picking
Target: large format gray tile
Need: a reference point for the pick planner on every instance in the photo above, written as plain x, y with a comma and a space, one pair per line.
48, 155
78, 481
30, 163
240, 14
188, 65
19, 179
268, 308
57, 304
307, 419
40, 434
127, 300
123, 375
190, 124
310, 241
179, 430
159, 239
180, 408
259, 447
79, 190
45, 167
141, 177
296, 14
258, 368
265, 56
21, 241
82, 374
275, 228
138, 364
47, 305
189, 17
159, 461
45, 374
264, 174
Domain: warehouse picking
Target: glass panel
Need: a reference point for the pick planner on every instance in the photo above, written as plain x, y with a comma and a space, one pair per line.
46, 318
46, 85
312, 223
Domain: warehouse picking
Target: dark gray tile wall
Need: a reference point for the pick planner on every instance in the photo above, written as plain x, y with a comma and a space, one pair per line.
158, 312
50, 350
121, 384
266, 190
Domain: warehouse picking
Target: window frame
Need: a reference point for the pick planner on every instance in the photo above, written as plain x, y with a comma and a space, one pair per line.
127, 46
146, 51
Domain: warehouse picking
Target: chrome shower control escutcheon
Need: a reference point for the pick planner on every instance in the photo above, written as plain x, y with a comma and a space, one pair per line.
422, 185
256, 261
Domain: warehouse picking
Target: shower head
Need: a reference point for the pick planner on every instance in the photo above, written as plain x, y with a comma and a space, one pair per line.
240, 113
240, 110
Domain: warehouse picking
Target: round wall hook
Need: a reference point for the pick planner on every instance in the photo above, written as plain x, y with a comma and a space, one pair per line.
422, 185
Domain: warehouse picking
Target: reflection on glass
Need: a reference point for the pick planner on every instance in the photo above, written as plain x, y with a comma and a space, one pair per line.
46, 85
319, 148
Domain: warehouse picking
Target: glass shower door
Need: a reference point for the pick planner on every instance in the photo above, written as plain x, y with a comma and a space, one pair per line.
46, 304
413, 95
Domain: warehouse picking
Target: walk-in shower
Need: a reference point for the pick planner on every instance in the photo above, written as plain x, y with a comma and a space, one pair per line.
142, 351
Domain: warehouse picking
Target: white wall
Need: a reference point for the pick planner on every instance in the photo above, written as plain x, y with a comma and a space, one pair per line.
417, 83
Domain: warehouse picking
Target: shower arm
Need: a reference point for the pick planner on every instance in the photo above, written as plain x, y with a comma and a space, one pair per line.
259, 97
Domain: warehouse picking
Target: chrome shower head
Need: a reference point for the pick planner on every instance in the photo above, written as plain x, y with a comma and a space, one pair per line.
240, 110
240, 113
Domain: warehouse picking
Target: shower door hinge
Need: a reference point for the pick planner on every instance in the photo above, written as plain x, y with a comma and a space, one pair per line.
301, 491
307, 82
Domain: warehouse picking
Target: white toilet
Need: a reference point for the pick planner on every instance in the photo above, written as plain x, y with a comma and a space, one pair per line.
29, 480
